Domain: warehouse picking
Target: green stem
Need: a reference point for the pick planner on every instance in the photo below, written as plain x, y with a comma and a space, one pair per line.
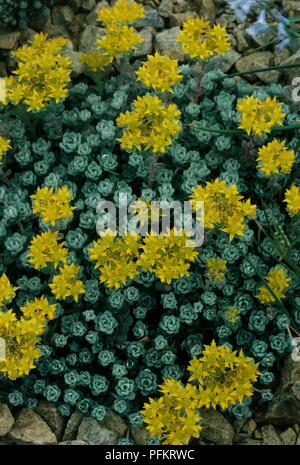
278, 301
261, 70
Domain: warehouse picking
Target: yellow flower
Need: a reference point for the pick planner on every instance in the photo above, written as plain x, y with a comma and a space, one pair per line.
278, 281
96, 61
259, 116
232, 315
42, 74
167, 255
150, 125
65, 284
4, 146
160, 72
216, 268
116, 258
224, 207
122, 12
174, 417
51, 205
275, 158
201, 40
118, 41
38, 309
45, 249
223, 377
292, 198
7, 291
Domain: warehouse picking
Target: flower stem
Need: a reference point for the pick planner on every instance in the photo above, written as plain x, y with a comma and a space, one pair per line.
261, 70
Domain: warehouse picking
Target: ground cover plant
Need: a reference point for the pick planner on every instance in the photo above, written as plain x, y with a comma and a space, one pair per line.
143, 323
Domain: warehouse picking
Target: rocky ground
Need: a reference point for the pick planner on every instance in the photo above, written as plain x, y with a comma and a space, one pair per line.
278, 424
77, 21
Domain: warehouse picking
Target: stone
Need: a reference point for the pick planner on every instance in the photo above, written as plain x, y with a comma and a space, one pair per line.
139, 435
73, 443
206, 8
165, 43
91, 19
89, 37
165, 8
249, 427
56, 31
6, 420
250, 442
49, 413
30, 428
216, 428
291, 6
288, 437
77, 66
227, 20
73, 424
177, 19
113, 422
291, 73
152, 18
88, 5
241, 42
270, 436
284, 409
8, 40
146, 47
281, 55
258, 60
62, 15
92, 432
224, 62
257, 434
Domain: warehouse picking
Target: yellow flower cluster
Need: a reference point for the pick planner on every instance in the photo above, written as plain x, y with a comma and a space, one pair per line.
232, 315
7, 291
167, 255
216, 268
201, 40
259, 116
119, 37
278, 281
224, 207
275, 157
292, 199
4, 146
65, 283
94, 60
116, 258
150, 125
174, 417
223, 377
42, 74
51, 205
21, 336
46, 249
160, 72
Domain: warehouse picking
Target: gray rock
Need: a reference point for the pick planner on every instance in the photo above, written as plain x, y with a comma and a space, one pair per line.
224, 62
52, 417
92, 432
113, 422
73, 424
139, 435
62, 15
177, 19
6, 420
258, 60
152, 18
216, 428
92, 17
249, 427
291, 73
291, 6
241, 42
165, 8
270, 436
30, 428
257, 434
89, 37
56, 31
206, 8
227, 20
73, 443
146, 47
88, 5
288, 437
166, 43
284, 409
250, 442
8, 40
77, 67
